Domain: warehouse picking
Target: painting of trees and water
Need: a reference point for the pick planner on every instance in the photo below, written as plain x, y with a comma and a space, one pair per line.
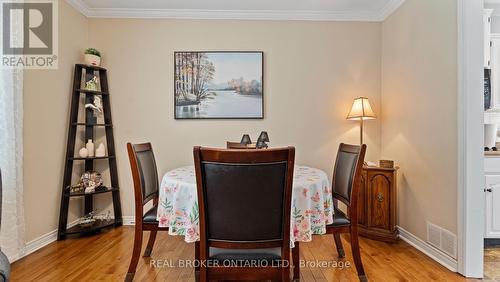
218, 85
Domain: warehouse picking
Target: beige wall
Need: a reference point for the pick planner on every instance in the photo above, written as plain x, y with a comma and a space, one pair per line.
46, 113
419, 111
313, 70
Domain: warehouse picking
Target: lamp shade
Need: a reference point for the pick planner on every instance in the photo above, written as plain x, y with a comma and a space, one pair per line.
361, 109
246, 140
263, 137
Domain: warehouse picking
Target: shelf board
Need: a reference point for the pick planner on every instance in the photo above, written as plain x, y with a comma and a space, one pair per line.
91, 158
91, 92
98, 226
88, 124
90, 67
79, 194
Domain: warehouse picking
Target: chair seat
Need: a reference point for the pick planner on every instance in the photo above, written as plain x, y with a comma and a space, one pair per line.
150, 215
339, 219
245, 256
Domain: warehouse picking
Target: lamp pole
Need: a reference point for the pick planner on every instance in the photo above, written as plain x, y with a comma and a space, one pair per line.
361, 131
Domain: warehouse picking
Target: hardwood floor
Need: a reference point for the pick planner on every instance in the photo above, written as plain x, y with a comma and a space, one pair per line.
105, 257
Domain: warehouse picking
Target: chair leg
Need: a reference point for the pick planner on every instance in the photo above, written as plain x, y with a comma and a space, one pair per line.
136, 253
197, 261
296, 261
151, 242
357, 255
285, 274
338, 243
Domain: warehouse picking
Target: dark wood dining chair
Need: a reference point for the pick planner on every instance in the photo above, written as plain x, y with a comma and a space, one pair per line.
244, 198
345, 187
146, 189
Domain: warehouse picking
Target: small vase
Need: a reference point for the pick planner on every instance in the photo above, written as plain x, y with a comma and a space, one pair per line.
90, 148
92, 60
83, 153
100, 151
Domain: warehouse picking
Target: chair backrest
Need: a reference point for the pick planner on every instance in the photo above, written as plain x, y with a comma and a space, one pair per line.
236, 145
144, 173
347, 174
244, 197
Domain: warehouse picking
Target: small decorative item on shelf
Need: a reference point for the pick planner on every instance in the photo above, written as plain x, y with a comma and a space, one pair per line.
87, 220
92, 57
83, 153
91, 180
92, 217
246, 139
90, 148
92, 84
96, 106
76, 188
100, 151
386, 163
263, 138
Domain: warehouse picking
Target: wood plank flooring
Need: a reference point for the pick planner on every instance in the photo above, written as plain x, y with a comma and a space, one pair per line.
105, 257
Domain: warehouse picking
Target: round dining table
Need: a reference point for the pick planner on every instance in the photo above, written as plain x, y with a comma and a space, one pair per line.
312, 207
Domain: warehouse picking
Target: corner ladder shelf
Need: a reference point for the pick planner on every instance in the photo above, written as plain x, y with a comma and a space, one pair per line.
90, 124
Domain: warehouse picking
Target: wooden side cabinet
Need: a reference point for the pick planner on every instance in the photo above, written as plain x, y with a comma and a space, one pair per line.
377, 204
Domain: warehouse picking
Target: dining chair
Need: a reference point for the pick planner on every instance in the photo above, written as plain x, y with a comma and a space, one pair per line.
146, 188
345, 187
244, 198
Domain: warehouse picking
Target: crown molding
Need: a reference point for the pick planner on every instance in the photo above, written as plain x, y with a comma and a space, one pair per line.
80, 6
389, 8
278, 15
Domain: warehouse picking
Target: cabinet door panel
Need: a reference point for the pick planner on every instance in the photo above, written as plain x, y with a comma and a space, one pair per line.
379, 189
493, 206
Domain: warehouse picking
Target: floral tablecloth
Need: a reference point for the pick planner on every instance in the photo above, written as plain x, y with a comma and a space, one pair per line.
312, 207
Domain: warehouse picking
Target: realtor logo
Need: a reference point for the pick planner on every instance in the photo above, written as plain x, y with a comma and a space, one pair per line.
29, 34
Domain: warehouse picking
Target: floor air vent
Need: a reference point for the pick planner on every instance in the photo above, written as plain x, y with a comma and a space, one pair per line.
442, 239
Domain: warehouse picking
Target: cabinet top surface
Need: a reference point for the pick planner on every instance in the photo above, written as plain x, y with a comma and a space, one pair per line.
381, 168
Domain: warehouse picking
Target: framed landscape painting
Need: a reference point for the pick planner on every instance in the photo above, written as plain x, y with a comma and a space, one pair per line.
218, 85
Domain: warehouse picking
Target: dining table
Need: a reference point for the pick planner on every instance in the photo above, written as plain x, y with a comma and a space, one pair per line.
311, 210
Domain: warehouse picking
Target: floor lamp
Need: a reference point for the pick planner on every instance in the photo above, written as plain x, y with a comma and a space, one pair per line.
361, 110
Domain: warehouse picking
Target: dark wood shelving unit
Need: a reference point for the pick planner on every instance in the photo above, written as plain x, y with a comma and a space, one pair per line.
86, 72
80, 194
95, 124
92, 92
97, 227
91, 158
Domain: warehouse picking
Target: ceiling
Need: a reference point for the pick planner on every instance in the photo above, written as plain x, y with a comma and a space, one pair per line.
321, 10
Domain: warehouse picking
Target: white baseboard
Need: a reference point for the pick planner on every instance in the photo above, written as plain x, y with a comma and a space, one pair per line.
128, 220
42, 241
428, 249
45, 239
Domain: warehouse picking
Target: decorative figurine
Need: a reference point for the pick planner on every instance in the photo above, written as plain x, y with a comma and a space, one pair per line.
96, 106
92, 84
83, 153
91, 180
100, 151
